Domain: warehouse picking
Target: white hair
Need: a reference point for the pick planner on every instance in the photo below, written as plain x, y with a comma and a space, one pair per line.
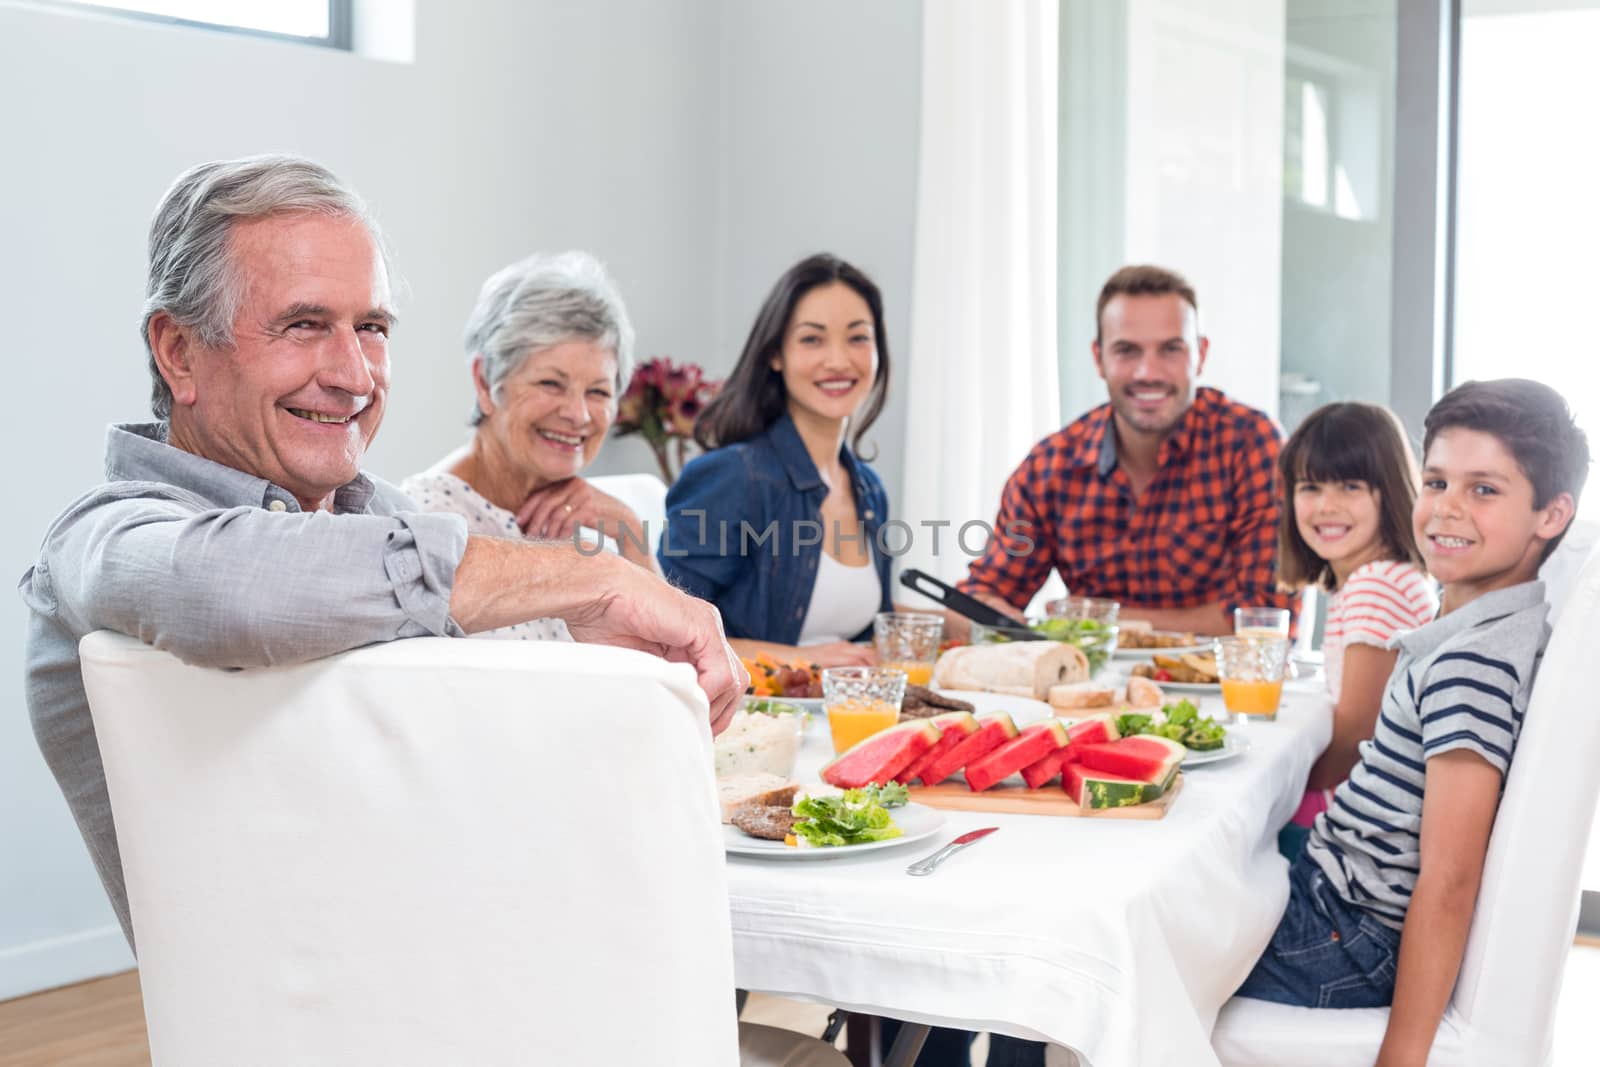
192, 275
543, 301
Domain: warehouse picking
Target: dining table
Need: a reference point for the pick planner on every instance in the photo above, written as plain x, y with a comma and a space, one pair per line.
1114, 940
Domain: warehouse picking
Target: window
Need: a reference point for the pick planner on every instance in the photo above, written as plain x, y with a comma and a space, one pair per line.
324, 22
1527, 220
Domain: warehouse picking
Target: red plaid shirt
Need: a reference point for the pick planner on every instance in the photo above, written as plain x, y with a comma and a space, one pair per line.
1204, 531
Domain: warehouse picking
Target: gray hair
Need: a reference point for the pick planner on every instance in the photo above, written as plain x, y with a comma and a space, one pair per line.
192, 274
543, 301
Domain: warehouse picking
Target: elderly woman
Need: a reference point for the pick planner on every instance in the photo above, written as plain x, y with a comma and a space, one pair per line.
550, 350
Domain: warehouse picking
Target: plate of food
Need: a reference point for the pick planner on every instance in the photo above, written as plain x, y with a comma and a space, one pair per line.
794, 680
789, 823
1182, 722
1185, 672
1135, 642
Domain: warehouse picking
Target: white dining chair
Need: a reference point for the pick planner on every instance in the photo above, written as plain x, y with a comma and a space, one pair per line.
1502, 1013
430, 851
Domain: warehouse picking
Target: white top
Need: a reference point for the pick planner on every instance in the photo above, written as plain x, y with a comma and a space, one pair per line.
843, 602
442, 491
1378, 602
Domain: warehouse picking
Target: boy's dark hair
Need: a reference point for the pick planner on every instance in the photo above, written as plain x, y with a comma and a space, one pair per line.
1534, 424
1143, 280
1347, 442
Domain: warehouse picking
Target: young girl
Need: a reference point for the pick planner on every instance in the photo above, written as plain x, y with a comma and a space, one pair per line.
1350, 479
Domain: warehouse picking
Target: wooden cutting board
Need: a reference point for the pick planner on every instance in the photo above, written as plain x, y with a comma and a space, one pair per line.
1009, 799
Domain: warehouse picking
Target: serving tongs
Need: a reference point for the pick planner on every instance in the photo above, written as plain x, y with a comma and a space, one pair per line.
964, 605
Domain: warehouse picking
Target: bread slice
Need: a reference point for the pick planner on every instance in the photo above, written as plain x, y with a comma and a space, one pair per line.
762, 789
1075, 696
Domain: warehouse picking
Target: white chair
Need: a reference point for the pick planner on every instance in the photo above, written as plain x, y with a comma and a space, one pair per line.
645, 494
424, 852
1503, 1010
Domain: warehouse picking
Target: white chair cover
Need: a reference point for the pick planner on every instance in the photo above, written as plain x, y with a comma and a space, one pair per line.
1503, 1010
424, 852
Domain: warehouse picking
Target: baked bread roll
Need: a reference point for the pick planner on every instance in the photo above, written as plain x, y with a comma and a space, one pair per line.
1076, 696
1143, 693
1019, 668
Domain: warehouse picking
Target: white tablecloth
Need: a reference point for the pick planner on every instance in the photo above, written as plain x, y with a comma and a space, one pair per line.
1119, 939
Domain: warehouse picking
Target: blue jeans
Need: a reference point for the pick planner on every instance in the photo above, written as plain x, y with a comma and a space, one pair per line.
1326, 953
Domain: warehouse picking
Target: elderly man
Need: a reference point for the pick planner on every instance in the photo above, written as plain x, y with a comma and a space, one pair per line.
1165, 498
239, 530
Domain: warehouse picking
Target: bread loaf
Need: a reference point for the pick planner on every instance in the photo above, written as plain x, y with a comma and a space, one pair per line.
1019, 668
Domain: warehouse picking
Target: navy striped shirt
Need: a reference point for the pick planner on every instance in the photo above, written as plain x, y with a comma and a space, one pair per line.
1460, 682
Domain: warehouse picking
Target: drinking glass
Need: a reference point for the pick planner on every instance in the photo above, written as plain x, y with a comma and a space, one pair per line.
1251, 672
1266, 623
908, 641
860, 701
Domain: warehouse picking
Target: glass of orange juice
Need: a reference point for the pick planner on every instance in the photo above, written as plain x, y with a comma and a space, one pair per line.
1251, 672
908, 641
860, 701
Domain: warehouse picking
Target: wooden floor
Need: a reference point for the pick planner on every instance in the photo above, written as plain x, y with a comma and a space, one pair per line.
101, 1023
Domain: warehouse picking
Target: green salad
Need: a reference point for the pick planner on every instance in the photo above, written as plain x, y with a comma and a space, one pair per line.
1093, 638
1181, 722
853, 818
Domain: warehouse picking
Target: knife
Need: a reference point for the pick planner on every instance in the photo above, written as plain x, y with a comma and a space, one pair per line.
970, 607
930, 863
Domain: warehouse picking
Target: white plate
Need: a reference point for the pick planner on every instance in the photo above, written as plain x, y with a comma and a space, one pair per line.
1146, 653
1021, 709
915, 820
1189, 687
811, 704
1232, 745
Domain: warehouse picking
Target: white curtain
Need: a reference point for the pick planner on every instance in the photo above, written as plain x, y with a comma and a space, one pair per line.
981, 377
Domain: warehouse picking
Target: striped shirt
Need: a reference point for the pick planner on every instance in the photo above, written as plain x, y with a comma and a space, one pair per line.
1378, 602
1461, 682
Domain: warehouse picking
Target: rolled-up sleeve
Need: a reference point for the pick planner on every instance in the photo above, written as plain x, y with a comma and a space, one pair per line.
246, 587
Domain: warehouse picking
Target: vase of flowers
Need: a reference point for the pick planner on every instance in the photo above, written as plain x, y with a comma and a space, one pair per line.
661, 404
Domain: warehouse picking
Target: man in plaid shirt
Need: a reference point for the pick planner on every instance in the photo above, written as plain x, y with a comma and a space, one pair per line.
1165, 499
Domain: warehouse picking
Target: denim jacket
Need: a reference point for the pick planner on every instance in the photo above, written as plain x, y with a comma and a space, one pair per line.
744, 531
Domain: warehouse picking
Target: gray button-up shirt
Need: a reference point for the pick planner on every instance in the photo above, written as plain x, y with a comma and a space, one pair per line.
219, 568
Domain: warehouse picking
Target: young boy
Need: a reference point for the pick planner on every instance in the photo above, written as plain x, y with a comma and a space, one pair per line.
1381, 899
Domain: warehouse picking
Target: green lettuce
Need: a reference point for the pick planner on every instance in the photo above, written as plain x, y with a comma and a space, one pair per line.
853, 818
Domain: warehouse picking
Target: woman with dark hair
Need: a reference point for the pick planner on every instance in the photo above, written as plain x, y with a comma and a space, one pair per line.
777, 524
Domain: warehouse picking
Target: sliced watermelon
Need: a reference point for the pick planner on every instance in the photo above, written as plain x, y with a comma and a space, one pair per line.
1144, 757
993, 731
1095, 729
1103, 789
1033, 744
882, 756
954, 727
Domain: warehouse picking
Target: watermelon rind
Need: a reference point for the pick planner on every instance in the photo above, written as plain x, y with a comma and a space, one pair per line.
1098, 790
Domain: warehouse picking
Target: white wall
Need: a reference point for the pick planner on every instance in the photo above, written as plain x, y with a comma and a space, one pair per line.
1183, 128
820, 123
519, 126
